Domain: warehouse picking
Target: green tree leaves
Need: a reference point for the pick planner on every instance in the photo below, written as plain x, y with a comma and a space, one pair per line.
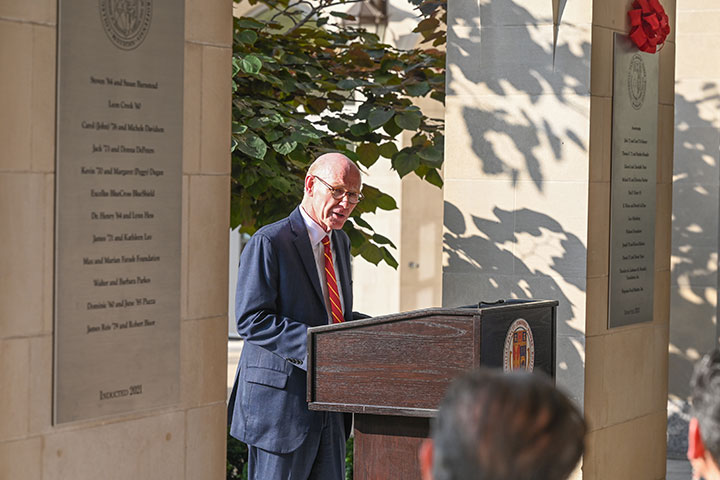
300, 90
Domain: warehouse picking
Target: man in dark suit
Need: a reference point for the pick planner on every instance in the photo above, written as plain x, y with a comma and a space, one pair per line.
287, 282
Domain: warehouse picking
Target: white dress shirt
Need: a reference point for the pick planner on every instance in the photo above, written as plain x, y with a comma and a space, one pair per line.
317, 233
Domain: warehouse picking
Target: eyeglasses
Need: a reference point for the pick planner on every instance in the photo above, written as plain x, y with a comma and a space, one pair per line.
339, 193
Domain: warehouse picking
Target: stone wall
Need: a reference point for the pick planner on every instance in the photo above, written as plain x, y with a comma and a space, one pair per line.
183, 441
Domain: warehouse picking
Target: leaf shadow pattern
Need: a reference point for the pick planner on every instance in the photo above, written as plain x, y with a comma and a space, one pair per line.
486, 252
694, 267
562, 70
504, 57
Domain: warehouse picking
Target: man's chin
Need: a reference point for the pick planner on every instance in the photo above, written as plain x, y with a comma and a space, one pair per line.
337, 224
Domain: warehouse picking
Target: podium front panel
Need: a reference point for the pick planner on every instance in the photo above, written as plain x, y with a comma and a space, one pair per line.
400, 366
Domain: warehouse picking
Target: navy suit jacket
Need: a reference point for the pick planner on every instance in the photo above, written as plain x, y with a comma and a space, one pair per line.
278, 298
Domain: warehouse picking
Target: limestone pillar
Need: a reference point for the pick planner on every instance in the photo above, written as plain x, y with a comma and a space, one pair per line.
184, 441
696, 207
527, 204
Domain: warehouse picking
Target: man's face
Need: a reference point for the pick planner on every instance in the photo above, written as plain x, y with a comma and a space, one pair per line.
327, 211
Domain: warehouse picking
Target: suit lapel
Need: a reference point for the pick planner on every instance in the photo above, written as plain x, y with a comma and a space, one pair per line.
304, 249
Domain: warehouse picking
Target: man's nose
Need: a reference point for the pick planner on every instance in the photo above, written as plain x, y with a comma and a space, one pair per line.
344, 201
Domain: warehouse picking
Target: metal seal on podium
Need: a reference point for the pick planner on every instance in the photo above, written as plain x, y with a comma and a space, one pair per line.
519, 350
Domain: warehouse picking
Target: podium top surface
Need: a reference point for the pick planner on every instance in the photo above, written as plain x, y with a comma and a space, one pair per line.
464, 311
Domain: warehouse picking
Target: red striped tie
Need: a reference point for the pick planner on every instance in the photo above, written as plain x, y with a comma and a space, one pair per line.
337, 315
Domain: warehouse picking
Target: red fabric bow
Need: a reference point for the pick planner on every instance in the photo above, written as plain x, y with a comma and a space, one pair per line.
649, 24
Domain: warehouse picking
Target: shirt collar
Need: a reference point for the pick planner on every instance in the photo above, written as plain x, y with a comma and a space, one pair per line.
315, 231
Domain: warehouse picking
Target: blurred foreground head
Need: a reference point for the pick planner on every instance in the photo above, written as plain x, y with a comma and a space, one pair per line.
503, 426
704, 431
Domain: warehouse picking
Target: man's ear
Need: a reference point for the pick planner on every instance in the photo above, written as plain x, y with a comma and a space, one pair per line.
309, 181
696, 449
426, 458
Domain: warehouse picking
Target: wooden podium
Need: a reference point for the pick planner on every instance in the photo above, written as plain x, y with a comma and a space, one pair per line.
392, 371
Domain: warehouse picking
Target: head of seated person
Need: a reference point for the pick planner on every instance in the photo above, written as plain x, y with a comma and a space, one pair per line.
503, 426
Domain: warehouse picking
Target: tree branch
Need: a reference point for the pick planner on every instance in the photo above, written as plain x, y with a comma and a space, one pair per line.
317, 9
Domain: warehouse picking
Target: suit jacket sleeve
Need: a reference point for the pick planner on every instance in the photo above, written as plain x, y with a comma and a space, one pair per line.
258, 304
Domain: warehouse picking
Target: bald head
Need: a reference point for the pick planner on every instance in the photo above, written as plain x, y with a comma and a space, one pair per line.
330, 171
327, 164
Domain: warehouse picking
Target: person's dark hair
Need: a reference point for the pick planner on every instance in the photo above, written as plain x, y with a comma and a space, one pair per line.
705, 385
514, 426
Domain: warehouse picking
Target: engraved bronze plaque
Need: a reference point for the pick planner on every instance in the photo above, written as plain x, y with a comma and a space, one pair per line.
633, 184
118, 207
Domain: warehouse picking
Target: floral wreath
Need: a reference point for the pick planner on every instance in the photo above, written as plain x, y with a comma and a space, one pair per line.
649, 25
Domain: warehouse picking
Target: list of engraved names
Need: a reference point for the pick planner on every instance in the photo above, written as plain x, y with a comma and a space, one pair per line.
118, 210
633, 186
632, 222
122, 180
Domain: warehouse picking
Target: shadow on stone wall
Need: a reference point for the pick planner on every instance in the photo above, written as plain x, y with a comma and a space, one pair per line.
485, 60
694, 273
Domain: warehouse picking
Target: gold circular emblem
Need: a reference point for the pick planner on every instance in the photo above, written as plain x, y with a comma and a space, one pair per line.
519, 350
126, 22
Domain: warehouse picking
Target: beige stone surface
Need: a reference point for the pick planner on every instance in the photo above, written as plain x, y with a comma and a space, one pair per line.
666, 82
570, 370
693, 331
601, 75
479, 235
21, 459
40, 403
628, 451
36, 11
596, 305
376, 289
48, 254
666, 130
695, 206
215, 110
208, 224
518, 138
205, 448
209, 21
520, 60
663, 222
531, 12
598, 238
600, 153
661, 298
422, 245
16, 40
148, 448
42, 129
624, 379
611, 14
144, 445
670, 7
192, 107
203, 364
544, 207
184, 247
26, 227
694, 105
15, 391
692, 55
697, 20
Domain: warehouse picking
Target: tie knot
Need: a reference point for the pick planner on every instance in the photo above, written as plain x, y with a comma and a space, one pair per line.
326, 240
